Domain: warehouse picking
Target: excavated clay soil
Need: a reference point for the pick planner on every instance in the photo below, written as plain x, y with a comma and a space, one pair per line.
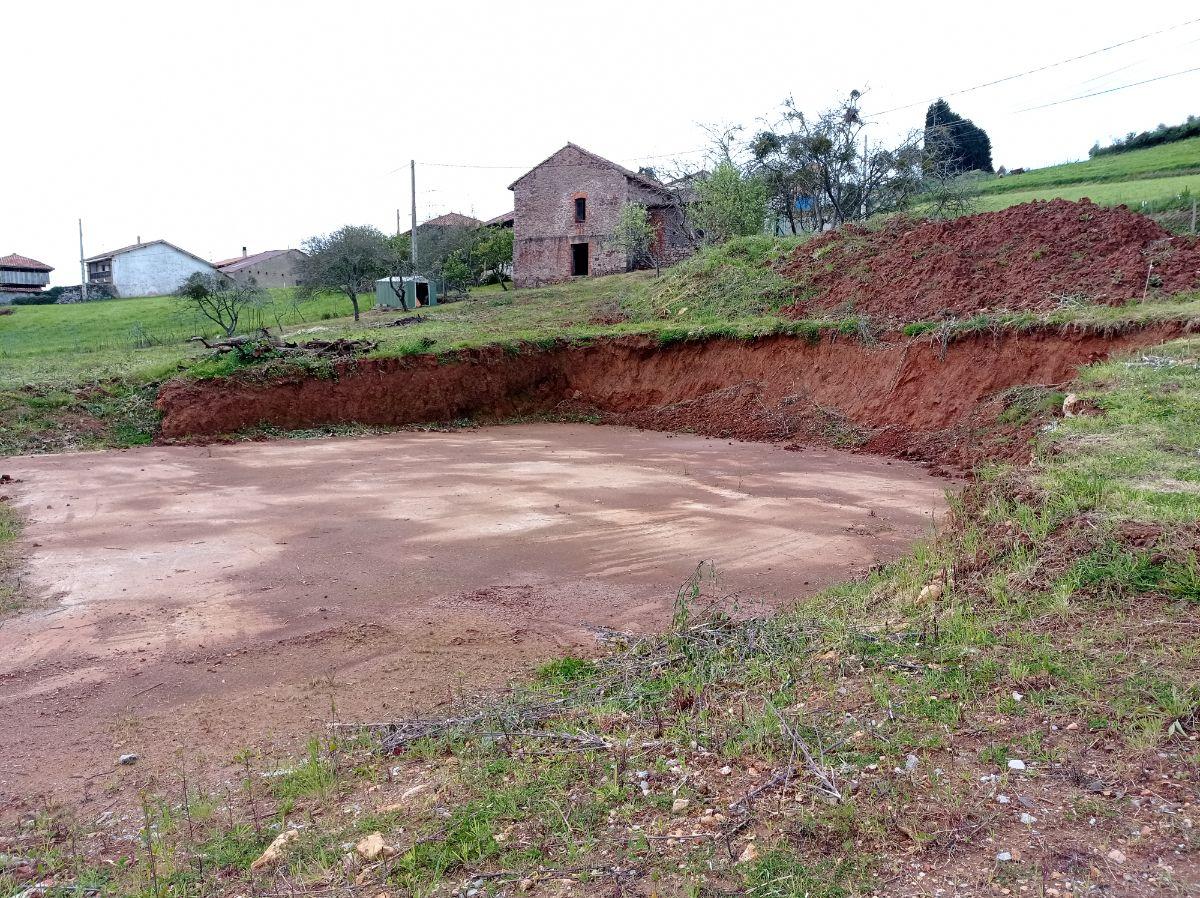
1029, 256
198, 600
911, 398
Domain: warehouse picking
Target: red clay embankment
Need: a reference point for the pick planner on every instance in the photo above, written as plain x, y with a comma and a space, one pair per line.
1030, 256
905, 396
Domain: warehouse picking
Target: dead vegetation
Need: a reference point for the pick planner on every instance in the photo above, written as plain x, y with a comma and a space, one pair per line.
264, 344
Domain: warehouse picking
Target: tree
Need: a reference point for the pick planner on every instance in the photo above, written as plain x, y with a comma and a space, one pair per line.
955, 142
493, 254
635, 235
218, 298
345, 261
827, 159
729, 203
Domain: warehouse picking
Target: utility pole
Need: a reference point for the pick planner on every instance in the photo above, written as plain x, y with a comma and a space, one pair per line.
397, 222
82, 266
413, 240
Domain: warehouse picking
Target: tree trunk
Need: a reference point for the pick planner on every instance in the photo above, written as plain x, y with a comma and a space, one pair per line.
354, 302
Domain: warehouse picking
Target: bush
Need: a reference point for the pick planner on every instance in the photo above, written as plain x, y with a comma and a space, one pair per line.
731, 280
35, 299
1160, 135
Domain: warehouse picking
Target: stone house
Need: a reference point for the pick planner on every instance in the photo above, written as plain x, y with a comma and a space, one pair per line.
566, 210
155, 268
270, 268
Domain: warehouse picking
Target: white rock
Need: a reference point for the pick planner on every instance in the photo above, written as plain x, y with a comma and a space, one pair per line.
372, 847
680, 805
1015, 764
1028, 819
1003, 856
749, 853
275, 850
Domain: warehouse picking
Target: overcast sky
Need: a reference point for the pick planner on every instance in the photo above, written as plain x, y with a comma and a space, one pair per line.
261, 122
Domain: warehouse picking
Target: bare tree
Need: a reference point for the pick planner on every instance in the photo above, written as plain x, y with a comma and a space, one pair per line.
828, 157
220, 299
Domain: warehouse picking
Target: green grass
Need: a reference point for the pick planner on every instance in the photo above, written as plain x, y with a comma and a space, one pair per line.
10, 529
1153, 163
1148, 194
128, 338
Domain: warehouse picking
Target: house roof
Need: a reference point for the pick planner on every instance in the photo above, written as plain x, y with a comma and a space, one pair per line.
237, 263
452, 220
133, 246
448, 220
504, 218
632, 175
24, 263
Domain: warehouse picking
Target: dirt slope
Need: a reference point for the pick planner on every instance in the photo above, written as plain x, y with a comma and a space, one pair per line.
1031, 256
906, 397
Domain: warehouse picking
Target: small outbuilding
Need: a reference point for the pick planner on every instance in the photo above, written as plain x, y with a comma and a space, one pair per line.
418, 291
22, 276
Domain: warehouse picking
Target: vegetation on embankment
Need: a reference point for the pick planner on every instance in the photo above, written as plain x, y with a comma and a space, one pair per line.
10, 529
1013, 704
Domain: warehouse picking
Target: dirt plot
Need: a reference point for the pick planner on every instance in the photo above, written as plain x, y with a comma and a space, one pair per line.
200, 600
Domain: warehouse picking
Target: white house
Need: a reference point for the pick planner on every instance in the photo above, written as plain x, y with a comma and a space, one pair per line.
145, 269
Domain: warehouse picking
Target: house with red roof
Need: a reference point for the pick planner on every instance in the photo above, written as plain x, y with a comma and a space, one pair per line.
22, 276
270, 268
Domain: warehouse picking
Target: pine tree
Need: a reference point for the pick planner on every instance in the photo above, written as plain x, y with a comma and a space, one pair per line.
955, 142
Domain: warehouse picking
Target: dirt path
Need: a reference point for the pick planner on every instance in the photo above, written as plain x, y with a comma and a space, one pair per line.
200, 600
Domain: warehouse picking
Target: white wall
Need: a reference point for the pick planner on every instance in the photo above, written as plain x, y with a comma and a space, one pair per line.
153, 270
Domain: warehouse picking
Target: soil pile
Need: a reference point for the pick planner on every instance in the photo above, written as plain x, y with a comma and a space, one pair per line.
1035, 256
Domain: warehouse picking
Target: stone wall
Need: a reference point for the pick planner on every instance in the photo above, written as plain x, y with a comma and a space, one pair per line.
545, 226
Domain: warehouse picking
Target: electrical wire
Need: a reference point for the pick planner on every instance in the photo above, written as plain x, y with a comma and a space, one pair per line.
1043, 68
1110, 90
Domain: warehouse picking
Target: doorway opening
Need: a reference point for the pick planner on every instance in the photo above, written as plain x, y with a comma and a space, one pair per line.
579, 259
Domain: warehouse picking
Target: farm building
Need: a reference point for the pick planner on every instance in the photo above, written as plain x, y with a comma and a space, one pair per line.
566, 210
271, 268
144, 269
501, 221
22, 276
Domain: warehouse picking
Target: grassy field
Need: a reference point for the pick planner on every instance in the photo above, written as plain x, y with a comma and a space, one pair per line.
75, 343
1158, 179
1148, 194
1014, 702
1182, 157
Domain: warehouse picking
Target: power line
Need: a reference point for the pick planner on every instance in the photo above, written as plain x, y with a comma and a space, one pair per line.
1110, 90
1052, 65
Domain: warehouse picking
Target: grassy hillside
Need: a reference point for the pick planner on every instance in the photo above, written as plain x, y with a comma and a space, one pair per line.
1173, 158
1143, 194
91, 341
1155, 180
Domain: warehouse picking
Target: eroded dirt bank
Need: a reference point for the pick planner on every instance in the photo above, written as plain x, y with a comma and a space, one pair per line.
911, 397
200, 600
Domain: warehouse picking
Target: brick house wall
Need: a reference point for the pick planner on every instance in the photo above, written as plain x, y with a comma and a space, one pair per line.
545, 230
